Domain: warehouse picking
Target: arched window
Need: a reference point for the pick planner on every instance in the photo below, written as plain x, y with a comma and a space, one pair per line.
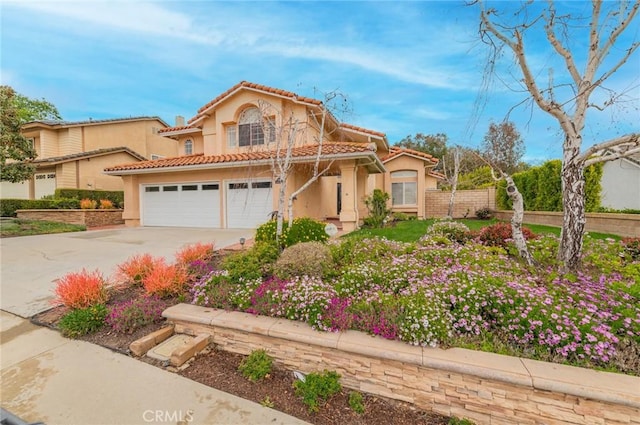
404, 187
250, 128
188, 147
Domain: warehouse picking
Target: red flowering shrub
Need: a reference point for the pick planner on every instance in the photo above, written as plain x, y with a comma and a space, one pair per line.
498, 234
632, 247
134, 270
165, 279
81, 290
196, 252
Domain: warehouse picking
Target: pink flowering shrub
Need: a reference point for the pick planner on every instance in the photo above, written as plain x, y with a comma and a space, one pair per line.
129, 316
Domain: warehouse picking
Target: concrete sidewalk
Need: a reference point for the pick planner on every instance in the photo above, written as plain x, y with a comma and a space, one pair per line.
48, 378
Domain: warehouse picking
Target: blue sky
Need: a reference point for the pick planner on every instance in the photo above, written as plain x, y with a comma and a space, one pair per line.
406, 67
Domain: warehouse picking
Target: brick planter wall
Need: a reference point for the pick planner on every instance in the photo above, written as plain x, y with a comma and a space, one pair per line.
484, 387
618, 224
90, 218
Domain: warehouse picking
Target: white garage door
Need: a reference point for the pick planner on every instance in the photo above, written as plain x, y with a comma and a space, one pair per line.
10, 190
249, 204
45, 184
181, 205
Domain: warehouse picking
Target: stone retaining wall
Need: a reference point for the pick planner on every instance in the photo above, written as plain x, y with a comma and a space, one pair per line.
617, 224
467, 202
90, 218
484, 387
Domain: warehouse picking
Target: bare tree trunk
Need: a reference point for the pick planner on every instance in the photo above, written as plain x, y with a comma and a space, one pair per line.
573, 216
516, 221
454, 181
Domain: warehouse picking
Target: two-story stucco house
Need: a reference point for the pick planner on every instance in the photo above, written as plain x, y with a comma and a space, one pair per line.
74, 154
227, 173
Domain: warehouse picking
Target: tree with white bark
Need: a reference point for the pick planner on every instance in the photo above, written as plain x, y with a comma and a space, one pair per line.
286, 132
568, 97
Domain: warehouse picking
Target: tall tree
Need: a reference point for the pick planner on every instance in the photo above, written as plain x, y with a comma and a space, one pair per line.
503, 146
433, 144
591, 49
16, 150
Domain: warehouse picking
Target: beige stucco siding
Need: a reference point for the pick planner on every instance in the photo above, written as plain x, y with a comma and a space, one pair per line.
92, 177
48, 144
138, 136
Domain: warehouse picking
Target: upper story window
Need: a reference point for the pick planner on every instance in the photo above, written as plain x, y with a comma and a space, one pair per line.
250, 130
404, 187
188, 147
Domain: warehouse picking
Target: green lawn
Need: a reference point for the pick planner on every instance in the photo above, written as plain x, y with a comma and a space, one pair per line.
411, 231
15, 227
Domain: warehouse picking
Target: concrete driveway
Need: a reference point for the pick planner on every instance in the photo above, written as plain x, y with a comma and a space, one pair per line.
31, 264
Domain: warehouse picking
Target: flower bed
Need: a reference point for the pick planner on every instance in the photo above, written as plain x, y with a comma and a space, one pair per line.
440, 293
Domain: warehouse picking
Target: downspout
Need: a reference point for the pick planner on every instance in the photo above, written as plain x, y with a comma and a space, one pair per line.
355, 195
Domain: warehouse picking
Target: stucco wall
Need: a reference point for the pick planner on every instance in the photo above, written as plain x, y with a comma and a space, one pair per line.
91, 174
621, 185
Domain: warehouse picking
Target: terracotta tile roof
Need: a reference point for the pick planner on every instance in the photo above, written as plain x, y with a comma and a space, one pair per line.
88, 154
259, 87
437, 175
184, 127
395, 151
362, 130
199, 159
61, 123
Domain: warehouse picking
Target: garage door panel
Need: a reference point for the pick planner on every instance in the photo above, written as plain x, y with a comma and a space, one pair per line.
249, 204
181, 205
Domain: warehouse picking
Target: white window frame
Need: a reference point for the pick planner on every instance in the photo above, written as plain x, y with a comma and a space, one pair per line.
406, 181
188, 147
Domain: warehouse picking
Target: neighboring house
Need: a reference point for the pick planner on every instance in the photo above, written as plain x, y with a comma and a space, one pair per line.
621, 183
225, 177
74, 154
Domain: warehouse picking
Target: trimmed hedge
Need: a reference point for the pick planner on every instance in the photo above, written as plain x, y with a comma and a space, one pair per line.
541, 188
115, 196
8, 207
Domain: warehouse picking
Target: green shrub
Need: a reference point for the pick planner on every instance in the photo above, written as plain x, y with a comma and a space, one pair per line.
8, 207
254, 263
256, 366
306, 258
484, 213
541, 188
303, 229
376, 204
115, 196
356, 402
455, 231
317, 388
83, 321
458, 421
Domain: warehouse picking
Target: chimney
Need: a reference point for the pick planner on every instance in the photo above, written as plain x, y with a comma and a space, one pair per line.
179, 121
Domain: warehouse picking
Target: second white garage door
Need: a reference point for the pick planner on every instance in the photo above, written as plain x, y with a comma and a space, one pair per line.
181, 205
249, 204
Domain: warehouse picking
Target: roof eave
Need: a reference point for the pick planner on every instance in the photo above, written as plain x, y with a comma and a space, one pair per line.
375, 164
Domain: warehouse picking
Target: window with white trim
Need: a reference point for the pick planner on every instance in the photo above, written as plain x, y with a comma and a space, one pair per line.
250, 130
188, 147
404, 187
